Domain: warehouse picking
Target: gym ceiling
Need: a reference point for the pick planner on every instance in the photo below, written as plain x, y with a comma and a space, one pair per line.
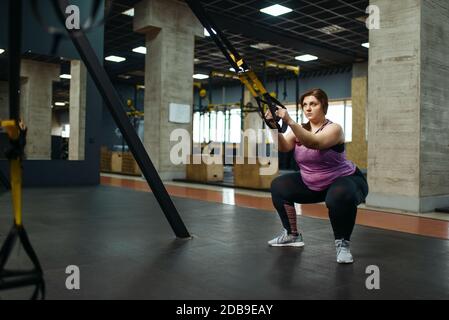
332, 30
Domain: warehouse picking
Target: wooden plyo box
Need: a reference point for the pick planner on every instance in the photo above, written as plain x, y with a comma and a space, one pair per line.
247, 175
203, 172
116, 162
129, 165
105, 164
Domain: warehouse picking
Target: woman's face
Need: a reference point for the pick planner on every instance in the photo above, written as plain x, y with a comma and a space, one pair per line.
312, 108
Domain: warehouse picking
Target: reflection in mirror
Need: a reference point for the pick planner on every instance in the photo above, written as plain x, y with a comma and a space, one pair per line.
53, 106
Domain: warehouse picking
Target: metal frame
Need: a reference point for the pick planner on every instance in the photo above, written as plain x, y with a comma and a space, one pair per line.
10, 279
298, 32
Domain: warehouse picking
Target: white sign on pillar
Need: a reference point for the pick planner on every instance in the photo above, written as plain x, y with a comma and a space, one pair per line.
179, 113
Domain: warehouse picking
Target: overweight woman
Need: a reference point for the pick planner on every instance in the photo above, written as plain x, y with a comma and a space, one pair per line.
325, 175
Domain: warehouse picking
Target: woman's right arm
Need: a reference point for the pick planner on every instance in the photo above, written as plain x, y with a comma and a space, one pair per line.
286, 142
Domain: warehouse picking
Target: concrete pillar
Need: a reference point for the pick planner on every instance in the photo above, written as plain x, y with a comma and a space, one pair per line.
170, 29
77, 112
357, 149
252, 120
408, 111
36, 100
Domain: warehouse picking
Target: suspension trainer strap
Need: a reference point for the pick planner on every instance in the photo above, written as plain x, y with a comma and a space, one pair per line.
248, 77
16, 131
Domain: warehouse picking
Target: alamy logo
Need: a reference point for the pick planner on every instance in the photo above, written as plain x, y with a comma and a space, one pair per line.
260, 145
373, 21
72, 22
373, 281
73, 280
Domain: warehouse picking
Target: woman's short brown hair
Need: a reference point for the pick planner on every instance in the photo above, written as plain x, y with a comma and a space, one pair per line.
319, 94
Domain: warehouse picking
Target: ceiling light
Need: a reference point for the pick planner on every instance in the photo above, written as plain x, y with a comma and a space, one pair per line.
366, 45
362, 18
207, 34
142, 50
261, 46
232, 69
65, 76
2, 50
332, 29
129, 12
200, 76
276, 10
60, 104
124, 76
115, 59
306, 58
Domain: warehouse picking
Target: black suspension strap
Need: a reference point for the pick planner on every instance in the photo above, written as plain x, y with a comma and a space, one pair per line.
247, 76
16, 131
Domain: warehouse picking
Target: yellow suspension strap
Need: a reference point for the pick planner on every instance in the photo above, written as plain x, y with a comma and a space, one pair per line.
11, 279
264, 100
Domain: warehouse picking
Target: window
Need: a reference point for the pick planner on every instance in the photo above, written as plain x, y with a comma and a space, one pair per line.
236, 126
196, 127
217, 126
220, 126
341, 112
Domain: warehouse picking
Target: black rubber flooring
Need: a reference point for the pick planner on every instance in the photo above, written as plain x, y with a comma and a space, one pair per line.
125, 249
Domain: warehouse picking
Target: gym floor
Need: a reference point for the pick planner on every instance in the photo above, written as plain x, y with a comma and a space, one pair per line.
118, 237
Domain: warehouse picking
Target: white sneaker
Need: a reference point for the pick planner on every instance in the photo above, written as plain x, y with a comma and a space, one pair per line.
343, 253
287, 240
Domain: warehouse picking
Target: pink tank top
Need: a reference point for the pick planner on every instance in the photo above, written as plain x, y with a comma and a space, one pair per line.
319, 168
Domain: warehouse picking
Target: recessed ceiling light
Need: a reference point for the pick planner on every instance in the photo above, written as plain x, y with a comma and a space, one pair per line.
65, 76
124, 76
129, 12
2, 50
276, 10
200, 76
261, 46
362, 18
142, 50
332, 29
115, 59
366, 45
306, 58
207, 34
60, 104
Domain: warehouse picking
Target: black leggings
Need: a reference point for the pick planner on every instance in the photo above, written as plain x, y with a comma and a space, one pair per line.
342, 198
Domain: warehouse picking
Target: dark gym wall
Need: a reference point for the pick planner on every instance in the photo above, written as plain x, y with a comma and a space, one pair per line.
108, 128
61, 172
337, 86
